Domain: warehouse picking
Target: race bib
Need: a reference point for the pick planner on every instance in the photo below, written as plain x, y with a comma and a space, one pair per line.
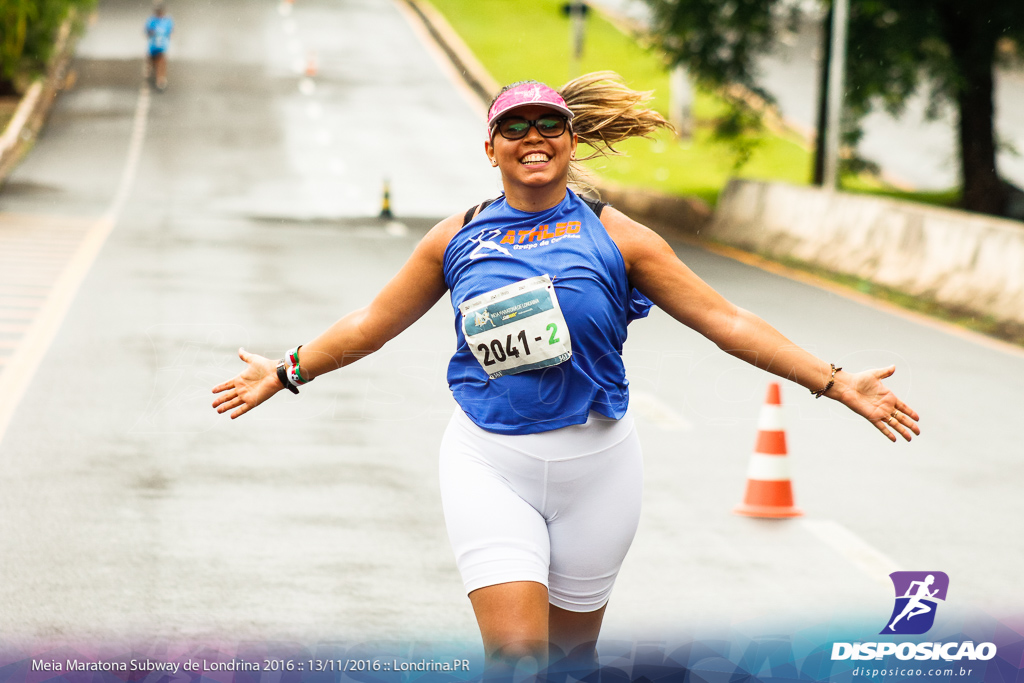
516, 328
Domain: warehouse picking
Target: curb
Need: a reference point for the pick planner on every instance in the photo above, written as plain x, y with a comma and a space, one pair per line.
23, 128
21, 115
469, 67
670, 215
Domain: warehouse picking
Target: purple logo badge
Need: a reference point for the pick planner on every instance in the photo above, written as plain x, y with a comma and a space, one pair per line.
917, 595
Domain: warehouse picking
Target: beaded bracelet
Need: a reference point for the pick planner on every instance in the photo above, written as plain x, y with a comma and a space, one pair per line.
831, 381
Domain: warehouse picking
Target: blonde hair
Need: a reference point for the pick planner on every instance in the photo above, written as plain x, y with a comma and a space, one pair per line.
605, 112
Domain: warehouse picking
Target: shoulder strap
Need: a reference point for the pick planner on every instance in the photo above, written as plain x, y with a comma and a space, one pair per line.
475, 210
596, 205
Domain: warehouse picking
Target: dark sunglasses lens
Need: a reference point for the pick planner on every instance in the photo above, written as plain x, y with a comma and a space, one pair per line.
514, 128
551, 126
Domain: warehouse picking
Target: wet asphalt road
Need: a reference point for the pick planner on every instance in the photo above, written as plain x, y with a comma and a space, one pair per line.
130, 509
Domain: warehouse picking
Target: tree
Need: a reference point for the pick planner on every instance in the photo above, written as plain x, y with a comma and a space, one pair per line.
895, 48
28, 29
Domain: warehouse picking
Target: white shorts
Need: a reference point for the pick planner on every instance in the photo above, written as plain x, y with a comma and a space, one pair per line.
559, 508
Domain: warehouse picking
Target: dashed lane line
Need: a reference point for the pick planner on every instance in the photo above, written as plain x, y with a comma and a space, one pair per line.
865, 557
653, 409
51, 257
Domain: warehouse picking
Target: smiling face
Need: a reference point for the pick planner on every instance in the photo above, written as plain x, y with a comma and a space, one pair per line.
533, 164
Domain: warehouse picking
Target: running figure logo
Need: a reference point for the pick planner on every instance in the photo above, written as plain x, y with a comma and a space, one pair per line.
917, 595
485, 240
481, 318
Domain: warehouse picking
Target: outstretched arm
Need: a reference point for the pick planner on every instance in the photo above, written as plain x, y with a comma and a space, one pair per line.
402, 301
655, 270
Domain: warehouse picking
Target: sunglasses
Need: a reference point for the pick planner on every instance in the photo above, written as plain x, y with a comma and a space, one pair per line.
516, 127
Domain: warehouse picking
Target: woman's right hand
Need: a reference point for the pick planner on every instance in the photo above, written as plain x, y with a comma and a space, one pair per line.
249, 388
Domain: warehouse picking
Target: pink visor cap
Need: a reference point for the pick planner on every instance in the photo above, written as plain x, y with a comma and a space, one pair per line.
523, 95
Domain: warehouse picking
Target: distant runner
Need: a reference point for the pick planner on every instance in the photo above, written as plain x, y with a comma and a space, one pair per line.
158, 30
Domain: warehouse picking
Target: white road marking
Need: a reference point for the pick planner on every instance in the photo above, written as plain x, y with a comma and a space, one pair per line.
652, 408
396, 229
307, 86
875, 564
134, 154
16, 377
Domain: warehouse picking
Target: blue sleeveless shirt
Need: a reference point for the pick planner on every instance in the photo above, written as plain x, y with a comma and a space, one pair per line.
503, 245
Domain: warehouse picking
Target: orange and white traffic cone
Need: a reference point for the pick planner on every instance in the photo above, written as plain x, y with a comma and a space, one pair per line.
769, 491
312, 66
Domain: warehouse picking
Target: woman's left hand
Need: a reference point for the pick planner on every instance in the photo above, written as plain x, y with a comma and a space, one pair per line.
865, 395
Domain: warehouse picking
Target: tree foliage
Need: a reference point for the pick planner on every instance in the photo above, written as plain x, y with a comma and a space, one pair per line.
28, 30
895, 48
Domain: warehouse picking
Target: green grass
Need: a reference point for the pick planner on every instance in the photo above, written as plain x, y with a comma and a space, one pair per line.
700, 167
524, 39
949, 199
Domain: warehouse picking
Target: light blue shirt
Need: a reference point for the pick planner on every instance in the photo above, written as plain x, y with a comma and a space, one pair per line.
159, 31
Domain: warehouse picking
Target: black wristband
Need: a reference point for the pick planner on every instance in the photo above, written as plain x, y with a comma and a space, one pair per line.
282, 374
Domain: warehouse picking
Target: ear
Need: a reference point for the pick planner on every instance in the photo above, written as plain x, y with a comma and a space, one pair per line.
575, 143
489, 151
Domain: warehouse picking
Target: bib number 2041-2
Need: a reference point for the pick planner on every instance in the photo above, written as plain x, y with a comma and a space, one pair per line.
516, 328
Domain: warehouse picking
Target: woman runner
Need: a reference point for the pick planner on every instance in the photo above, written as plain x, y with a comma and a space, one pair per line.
540, 465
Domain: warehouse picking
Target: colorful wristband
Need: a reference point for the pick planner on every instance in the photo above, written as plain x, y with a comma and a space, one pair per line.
294, 371
295, 375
